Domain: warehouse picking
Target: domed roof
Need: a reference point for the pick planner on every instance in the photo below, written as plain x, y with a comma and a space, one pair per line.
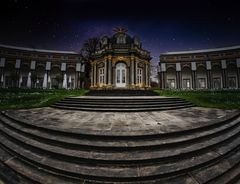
121, 38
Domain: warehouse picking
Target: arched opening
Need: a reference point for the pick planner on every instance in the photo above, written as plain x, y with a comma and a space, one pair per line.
171, 78
25, 69
186, 78
71, 77
201, 77
121, 75
9, 72
216, 77
40, 71
56, 77
232, 76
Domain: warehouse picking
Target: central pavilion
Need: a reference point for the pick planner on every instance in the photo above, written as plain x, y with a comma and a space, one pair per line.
120, 62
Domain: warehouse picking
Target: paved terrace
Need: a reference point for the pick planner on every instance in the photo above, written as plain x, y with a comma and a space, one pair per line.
139, 123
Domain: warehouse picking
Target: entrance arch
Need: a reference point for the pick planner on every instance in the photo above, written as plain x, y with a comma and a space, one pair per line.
121, 71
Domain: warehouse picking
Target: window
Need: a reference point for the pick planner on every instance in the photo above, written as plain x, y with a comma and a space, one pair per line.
139, 75
217, 83
232, 82
202, 83
186, 84
101, 75
121, 39
123, 76
118, 76
171, 83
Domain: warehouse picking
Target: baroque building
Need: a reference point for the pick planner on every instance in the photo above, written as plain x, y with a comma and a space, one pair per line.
200, 69
120, 62
38, 68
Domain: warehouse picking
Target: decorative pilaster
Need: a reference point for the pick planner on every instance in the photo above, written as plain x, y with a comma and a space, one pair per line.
105, 72
163, 72
178, 75
238, 71
95, 74
238, 77
193, 69
135, 74
92, 75
146, 75
132, 70
194, 79
224, 73
209, 74
2, 65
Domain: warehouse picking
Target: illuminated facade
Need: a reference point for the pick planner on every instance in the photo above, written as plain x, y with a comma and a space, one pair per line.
37, 68
200, 69
120, 62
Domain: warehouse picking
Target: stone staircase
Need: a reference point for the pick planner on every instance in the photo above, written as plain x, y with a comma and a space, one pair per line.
122, 104
208, 154
121, 92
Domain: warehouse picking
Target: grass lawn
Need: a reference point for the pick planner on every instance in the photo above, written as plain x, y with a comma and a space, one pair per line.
31, 98
218, 99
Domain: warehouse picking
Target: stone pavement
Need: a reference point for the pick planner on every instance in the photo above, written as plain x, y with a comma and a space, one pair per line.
137, 123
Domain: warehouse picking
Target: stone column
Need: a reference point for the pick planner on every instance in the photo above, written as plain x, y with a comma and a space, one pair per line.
209, 74
132, 70
164, 81
193, 69
238, 71
146, 75
109, 70
95, 74
178, 75
224, 73
163, 71
159, 76
2, 65
105, 72
92, 75
135, 74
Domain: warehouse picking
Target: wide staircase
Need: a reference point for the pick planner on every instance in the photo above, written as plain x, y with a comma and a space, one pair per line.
208, 154
121, 92
122, 101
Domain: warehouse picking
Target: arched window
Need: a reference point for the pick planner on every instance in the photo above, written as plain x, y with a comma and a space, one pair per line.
101, 75
139, 75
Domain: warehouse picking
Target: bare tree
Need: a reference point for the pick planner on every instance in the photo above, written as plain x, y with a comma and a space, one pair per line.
89, 48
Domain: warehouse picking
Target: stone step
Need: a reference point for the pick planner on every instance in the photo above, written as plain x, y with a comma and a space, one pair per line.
140, 109
121, 99
113, 172
8, 175
228, 170
123, 92
124, 157
28, 173
232, 175
128, 106
58, 139
39, 175
122, 102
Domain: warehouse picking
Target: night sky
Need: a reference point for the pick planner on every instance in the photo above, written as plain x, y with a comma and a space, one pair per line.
161, 25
